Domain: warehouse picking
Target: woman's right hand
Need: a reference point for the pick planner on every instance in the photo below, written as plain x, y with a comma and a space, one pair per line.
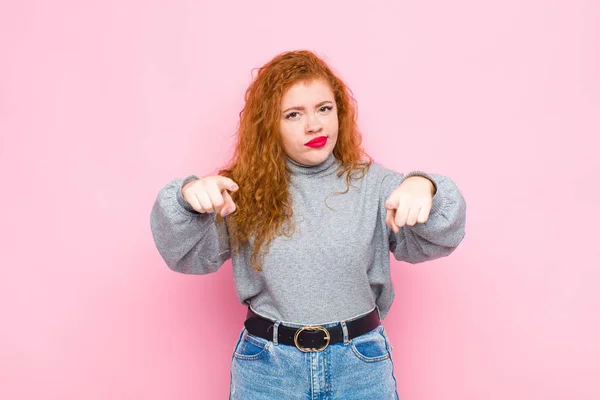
210, 194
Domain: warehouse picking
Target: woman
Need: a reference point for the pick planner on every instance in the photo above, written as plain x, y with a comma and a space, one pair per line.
309, 226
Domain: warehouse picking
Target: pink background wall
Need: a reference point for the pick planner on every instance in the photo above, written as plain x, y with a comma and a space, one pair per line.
104, 102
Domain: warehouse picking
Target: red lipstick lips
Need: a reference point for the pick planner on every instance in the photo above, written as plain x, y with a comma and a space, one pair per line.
317, 142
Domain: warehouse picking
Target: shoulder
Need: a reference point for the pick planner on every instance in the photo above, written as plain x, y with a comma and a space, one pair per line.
381, 174
380, 179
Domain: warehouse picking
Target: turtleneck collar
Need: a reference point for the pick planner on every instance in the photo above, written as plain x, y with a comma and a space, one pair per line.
329, 166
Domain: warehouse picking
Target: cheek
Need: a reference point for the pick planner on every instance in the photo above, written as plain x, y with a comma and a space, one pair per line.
288, 134
333, 125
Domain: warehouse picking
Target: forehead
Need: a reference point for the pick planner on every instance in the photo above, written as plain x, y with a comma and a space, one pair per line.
309, 92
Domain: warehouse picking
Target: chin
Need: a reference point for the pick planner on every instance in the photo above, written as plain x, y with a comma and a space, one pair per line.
316, 157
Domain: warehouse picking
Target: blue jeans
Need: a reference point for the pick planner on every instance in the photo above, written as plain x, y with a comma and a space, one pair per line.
361, 369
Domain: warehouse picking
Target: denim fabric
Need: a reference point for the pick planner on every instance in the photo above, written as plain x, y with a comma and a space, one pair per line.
361, 369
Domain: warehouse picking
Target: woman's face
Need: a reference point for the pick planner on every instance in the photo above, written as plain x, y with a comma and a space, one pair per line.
309, 112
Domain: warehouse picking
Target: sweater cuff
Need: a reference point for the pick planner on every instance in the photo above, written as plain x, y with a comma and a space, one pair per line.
184, 204
438, 200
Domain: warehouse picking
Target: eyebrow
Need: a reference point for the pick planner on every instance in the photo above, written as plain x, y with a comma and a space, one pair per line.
302, 108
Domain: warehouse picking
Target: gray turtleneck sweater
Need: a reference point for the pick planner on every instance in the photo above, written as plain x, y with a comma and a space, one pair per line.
336, 265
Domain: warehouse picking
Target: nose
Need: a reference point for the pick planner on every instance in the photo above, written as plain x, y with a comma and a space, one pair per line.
313, 125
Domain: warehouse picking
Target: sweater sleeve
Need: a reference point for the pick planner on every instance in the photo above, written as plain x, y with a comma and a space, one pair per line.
188, 241
443, 231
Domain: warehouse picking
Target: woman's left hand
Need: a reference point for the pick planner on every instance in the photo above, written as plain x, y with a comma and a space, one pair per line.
409, 203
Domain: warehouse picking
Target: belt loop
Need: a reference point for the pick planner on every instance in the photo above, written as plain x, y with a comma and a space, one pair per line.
276, 333
345, 331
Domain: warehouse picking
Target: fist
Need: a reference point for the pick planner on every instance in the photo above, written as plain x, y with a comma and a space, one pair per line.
210, 194
409, 203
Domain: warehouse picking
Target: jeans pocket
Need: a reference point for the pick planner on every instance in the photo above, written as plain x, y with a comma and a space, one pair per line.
372, 346
251, 347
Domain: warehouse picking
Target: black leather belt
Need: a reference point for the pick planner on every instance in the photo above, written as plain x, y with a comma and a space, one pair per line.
311, 337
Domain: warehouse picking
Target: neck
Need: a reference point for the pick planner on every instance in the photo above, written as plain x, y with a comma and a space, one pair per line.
328, 166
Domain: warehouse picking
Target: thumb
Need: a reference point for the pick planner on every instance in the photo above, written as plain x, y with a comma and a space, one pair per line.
392, 202
390, 217
226, 183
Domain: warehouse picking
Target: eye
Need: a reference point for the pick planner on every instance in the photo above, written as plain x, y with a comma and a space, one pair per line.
291, 115
328, 108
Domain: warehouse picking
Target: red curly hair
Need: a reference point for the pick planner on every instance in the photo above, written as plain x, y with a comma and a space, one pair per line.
258, 166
